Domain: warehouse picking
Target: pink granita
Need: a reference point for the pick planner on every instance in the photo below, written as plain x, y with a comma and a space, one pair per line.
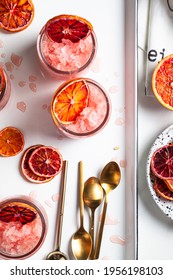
93, 115
67, 56
92, 118
65, 59
17, 239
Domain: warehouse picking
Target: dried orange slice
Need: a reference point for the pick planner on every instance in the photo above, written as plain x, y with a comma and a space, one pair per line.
16, 15
17, 213
162, 82
73, 28
70, 100
26, 170
169, 184
45, 161
162, 162
161, 189
11, 141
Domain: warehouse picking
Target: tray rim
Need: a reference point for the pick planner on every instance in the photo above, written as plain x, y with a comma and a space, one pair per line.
131, 127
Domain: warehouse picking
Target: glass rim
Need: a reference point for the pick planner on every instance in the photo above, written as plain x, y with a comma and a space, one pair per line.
71, 72
44, 221
68, 132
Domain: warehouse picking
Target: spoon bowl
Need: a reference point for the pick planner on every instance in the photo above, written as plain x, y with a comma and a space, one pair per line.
109, 180
93, 196
81, 240
93, 193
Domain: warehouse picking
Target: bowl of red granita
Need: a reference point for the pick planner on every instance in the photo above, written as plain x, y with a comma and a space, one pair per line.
5, 88
23, 227
66, 46
80, 108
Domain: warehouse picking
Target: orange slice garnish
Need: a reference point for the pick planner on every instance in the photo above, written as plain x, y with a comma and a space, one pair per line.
45, 161
73, 28
70, 100
162, 162
162, 82
162, 189
11, 141
17, 213
16, 15
169, 184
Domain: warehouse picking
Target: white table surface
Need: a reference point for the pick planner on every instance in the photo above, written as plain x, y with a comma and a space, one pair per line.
29, 87
154, 228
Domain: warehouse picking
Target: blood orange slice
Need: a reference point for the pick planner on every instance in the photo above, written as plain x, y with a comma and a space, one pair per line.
162, 82
162, 162
69, 27
16, 15
17, 213
11, 141
45, 161
70, 100
169, 184
26, 170
162, 189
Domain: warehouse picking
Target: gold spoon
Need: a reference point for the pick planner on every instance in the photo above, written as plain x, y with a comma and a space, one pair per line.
81, 240
109, 179
93, 196
57, 254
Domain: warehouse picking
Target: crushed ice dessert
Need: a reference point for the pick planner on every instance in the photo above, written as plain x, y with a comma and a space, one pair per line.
23, 228
80, 108
66, 46
5, 88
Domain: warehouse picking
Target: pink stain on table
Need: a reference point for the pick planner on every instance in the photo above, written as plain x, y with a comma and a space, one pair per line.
117, 239
33, 87
119, 121
21, 106
21, 83
32, 78
55, 197
33, 194
11, 76
49, 203
123, 163
16, 59
1, 44
3, 55
109, 220
44, 106
113, 89
96, 66
9, 66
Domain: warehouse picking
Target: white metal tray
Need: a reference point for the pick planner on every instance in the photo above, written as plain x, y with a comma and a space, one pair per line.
28, 109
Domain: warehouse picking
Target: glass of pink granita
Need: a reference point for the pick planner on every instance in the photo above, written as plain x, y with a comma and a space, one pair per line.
66, 46
5, 88
80, 108
23, 227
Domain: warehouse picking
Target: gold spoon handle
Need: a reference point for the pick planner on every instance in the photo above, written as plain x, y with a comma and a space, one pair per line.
61, 204
100, 232
81, 187
92, 233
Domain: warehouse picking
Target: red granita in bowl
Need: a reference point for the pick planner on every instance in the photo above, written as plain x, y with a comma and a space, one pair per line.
66, 46
80, 108
23, 227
